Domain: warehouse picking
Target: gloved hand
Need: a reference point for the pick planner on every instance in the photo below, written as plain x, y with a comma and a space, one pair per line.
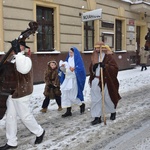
95, 66
102, 65
51, 86
16, 46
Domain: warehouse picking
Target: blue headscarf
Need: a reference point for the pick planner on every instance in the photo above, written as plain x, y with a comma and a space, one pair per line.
79, 71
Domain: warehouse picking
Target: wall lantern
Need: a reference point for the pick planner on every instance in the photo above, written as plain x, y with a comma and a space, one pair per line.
145, 14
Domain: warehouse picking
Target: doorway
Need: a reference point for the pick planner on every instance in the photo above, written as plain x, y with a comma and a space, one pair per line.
138, 31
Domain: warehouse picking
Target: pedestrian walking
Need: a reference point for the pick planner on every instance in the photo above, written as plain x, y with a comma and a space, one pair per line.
18, 102
143, 58
52, 86
110, 82
73, 76
147, 42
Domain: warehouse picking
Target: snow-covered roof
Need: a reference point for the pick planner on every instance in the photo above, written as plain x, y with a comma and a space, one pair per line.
136, 2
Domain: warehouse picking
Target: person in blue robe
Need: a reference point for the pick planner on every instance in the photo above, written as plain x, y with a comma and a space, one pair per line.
72, 78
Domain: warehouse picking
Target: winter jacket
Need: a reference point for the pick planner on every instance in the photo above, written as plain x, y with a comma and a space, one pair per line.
23, 73
52, 83
143, 56
147, 37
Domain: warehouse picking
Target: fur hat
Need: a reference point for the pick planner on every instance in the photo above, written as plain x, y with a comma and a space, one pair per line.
52, 61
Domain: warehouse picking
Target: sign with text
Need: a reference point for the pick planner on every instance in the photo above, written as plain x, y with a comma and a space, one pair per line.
131, 28
131, 22
92, 15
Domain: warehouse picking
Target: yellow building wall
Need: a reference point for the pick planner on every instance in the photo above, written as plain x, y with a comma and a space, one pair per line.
1, 28
69, 28
16, 16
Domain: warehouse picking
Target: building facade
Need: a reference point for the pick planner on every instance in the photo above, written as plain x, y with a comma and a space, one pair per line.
121, 24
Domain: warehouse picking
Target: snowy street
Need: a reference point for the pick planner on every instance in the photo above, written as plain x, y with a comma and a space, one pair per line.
132, 127
130, 130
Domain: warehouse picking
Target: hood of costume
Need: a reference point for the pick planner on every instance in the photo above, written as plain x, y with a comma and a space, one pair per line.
95, 55
79, 72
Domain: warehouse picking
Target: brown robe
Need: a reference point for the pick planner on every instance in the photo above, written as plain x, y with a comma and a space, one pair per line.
110, 73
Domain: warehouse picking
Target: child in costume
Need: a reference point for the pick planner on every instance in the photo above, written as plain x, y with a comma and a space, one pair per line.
52, 87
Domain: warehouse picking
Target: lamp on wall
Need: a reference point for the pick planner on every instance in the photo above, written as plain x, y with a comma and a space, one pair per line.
145, 14
80, 14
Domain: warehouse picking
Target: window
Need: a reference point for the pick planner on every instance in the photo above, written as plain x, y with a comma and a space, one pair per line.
108, 39
118, 35
107, 24
45, 36
88, 35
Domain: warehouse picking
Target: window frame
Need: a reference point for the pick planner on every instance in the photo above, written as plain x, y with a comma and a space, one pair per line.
118, 41
44, 23
56, 26
88, 28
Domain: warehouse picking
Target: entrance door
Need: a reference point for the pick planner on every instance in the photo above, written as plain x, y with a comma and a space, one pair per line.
138, 30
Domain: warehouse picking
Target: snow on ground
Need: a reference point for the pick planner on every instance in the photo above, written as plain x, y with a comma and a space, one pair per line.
130, 130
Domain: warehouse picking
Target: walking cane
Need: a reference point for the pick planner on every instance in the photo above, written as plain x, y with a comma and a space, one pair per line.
102, 86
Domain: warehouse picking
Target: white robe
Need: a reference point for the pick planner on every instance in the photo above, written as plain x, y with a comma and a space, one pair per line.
96, 97
20, 107
69, 88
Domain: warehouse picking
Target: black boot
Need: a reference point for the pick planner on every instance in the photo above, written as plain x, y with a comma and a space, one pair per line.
82, 108
113, 116
7, 147
67, 113
40, 138
97, 120
142, 68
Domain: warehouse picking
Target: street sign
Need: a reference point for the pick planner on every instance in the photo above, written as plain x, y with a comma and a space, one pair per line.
92, 15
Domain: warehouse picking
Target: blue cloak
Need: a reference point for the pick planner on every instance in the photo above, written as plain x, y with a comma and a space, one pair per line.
79, 71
